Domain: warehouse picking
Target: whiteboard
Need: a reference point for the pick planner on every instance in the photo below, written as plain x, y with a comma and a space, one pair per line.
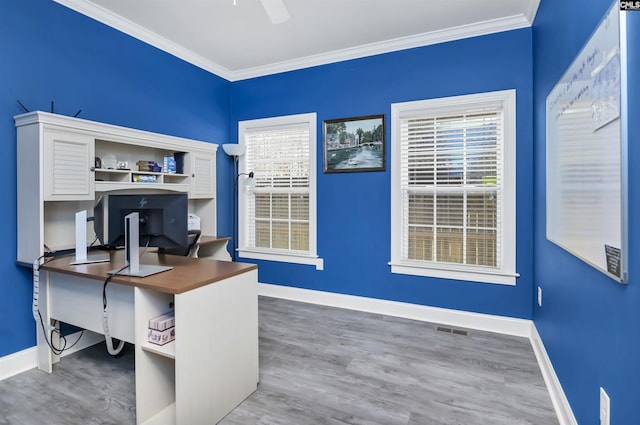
586, 154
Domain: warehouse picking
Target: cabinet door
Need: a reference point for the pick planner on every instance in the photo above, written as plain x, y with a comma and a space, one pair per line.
68, 166
203, 182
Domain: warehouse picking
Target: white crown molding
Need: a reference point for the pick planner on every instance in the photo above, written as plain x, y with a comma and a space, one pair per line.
126, 26
531, 12
402, 43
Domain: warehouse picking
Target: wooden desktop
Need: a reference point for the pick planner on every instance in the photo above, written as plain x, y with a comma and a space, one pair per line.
210, 367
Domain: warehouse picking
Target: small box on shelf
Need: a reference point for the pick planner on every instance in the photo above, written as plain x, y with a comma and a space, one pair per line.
169, 165
162, 329
144, 178
161, 337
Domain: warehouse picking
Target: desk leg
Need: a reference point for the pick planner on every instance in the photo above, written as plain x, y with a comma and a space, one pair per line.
45, 357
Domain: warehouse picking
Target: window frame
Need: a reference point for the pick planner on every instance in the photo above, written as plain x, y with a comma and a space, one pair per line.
506, 274
271, 254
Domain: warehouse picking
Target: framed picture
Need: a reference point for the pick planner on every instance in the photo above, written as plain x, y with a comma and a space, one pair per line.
354, 144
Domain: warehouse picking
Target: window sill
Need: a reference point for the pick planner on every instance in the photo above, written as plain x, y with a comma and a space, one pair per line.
476, 275
283, 257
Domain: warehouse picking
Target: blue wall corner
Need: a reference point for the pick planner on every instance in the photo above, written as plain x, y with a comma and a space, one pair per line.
588, 322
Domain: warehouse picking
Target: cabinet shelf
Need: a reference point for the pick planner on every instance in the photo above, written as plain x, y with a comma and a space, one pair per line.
102, 186
109, 179
168, 350
165, 416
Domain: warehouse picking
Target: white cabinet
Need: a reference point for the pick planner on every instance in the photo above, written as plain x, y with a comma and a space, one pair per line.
68, 168
58, 175
203, 177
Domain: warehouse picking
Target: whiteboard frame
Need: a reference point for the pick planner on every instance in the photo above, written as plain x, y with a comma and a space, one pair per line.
623, 139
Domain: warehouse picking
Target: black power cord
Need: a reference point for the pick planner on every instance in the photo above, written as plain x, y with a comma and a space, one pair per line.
48, 337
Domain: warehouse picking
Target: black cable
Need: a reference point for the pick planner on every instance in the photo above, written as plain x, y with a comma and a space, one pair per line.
49, 340
106, 281
94, 241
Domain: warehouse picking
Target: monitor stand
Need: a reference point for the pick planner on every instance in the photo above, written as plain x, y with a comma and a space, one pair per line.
81, 256
132, 251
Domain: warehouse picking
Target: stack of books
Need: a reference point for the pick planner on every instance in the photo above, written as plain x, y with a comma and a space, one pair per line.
162, 329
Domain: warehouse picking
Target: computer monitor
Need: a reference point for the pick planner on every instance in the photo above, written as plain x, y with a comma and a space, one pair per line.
162, 219
153, 220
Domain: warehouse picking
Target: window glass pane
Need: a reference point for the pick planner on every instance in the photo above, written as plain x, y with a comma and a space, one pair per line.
280, 235
300, 236
263, 234
450, 209
262, 205
280, 206
449, 246
420, 243
421, 209
481, 210
481, 247
300, 207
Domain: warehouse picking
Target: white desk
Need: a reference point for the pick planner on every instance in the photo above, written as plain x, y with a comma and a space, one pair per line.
212, 365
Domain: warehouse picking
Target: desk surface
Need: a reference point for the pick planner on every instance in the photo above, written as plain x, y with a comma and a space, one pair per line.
187, 273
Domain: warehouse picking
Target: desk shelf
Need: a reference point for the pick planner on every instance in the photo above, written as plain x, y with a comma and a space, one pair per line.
165, 416
168, 350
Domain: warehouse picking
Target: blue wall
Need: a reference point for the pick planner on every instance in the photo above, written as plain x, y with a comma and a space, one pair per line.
354, 208
588, 322
49, 52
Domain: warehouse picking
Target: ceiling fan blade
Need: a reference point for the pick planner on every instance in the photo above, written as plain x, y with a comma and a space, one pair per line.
276, 10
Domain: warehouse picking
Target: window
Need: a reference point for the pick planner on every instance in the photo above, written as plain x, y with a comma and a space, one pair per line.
278, 214
453, 188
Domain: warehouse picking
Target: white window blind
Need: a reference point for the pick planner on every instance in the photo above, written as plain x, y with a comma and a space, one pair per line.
278, 214
278, 204
450, 187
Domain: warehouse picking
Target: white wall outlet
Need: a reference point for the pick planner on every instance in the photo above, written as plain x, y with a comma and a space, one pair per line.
539, 296
605, 408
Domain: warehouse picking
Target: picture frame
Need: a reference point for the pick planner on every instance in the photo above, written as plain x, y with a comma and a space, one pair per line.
354, 144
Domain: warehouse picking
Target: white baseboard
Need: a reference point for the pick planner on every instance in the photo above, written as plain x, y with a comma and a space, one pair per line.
18, 362
558, 398
485, 322
457, 318
27, 359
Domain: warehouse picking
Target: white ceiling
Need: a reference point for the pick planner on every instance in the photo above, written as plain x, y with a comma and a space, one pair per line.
239, 41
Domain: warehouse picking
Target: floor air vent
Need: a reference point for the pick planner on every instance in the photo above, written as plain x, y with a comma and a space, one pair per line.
452, 331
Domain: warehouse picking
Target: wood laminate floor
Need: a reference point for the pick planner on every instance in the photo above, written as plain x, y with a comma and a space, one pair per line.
320, 365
